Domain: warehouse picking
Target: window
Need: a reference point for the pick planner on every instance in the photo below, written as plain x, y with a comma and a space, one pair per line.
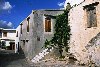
91, 17
21, 28
28, 24
38, 38
27, 40
91, 14
23, 42
4, 34
47, 24
17, 34
0, 33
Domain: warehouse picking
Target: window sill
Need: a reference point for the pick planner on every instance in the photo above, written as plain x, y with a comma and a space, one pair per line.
48, 32
90, 28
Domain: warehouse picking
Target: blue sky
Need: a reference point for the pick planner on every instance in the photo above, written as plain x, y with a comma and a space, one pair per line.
12, 12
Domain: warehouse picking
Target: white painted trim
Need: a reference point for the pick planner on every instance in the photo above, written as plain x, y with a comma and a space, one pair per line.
51, 26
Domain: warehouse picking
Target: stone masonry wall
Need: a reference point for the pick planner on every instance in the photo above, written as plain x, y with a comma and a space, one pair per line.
27, 40
81, 35
35, 38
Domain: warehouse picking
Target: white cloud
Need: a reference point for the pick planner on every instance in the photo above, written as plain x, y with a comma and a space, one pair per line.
61, 4
10, 24
6, 6
5, 24
72, 2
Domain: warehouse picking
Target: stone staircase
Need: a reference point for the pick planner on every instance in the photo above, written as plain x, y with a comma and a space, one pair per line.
42, 54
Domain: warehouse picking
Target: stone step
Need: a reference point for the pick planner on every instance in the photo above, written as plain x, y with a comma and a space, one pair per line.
41, 55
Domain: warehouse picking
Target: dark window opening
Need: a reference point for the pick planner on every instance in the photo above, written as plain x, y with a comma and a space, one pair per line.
21, 28
47, 24
91, 14
4, 34
0, 33
91, 17
28, 24
27, 40
23, 42
17, 34
38, 38
18, 47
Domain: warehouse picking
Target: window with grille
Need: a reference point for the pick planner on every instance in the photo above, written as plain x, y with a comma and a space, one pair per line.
47, 24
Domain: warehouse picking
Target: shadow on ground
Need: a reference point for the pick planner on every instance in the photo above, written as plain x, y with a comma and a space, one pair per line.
8, 56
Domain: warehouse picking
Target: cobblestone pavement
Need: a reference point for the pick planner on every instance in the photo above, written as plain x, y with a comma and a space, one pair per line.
57, 65
9, 59
52, 63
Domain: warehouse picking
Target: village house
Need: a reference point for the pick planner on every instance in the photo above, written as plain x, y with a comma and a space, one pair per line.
7, 38
34, 30
84, 20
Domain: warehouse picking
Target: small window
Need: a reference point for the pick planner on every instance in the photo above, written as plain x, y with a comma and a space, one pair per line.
23, 42
27, 40
38, 38
4, 34
17, 34
21, 28
47, 24
28, 24
91, 17
0, 33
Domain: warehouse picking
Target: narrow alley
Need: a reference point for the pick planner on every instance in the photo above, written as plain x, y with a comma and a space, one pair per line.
10, 59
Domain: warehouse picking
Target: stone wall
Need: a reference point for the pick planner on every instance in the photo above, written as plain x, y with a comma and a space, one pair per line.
93, 50
81, 34
33, 41
26, 39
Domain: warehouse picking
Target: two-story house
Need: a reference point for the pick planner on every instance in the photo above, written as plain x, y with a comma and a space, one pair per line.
8, 38
34, 30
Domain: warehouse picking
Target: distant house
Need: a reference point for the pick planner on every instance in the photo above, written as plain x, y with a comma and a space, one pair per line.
7, 37
34, 30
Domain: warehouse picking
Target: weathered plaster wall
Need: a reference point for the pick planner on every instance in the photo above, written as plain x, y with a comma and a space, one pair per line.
39, 25
39, 19
27, 40
36, 35
81, 35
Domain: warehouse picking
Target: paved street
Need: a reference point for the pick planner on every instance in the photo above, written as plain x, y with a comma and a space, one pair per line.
10, 59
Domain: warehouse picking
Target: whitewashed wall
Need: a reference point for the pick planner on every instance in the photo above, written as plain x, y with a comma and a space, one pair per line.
81, 35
